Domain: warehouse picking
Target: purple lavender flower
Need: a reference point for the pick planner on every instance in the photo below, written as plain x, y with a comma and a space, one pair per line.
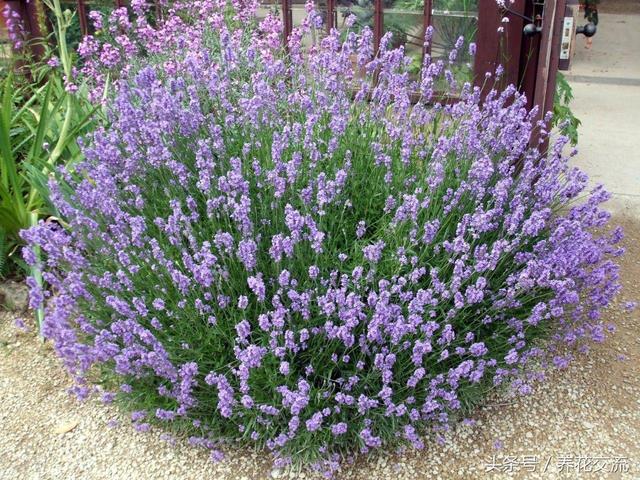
267, 245
257, 287
315, 422
373, 253
478, 349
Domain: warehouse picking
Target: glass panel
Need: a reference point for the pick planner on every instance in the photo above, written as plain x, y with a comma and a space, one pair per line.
298, 14
273, 7
362, 9
452, 19
405, 20
74, 34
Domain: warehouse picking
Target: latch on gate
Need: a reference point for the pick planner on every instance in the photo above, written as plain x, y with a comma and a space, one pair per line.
567, 37
569, 32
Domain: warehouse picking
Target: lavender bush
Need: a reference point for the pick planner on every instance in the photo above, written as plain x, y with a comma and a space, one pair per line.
274, 248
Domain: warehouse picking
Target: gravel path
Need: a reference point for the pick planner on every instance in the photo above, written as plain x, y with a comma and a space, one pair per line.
584, 422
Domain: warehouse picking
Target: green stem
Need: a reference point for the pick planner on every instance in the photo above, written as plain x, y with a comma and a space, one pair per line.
66, 64
61, 26
68, 114
36, 273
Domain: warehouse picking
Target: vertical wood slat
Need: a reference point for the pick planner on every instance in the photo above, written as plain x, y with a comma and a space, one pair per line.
378, 23
512, 49
30, 13
158, 10
570, 11
487, 39
287, 20
544, 59
556, 45
495, 48
82, 17
426, 22
529, 59
549, 56
331, 14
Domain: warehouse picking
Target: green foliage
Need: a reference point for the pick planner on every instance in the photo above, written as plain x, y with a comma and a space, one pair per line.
40, 122
3, 254
73, 32
439, 5
563, 117
38, 131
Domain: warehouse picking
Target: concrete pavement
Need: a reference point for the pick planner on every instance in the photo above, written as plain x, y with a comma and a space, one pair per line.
606, 86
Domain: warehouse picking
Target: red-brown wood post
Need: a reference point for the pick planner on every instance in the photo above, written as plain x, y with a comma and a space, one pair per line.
488, 42
513, 38
554, 65
82, 17
378, 23
287, 20
498, 42
33, 19
158, 10
549, 55
426, 22
529, 59
331, 7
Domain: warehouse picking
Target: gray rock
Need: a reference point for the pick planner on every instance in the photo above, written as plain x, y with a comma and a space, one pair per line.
14, 296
